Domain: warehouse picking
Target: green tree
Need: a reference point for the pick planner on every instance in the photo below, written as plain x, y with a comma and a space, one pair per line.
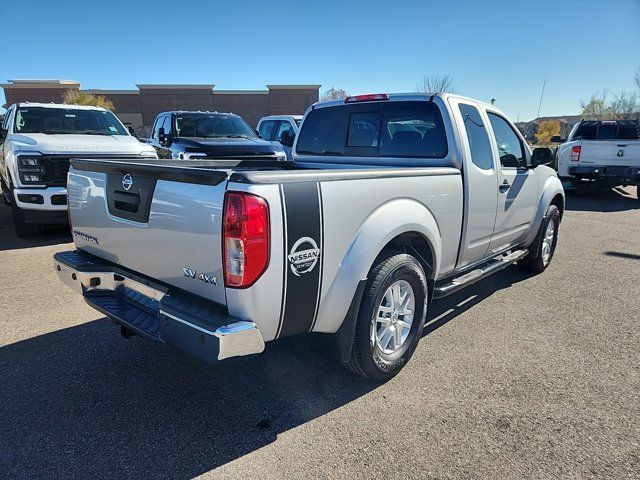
546, 130
76, 97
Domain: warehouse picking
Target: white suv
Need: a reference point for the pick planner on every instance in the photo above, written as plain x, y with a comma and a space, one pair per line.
36, 142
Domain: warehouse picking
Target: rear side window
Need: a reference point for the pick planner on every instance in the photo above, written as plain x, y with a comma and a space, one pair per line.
481, 154
385, 129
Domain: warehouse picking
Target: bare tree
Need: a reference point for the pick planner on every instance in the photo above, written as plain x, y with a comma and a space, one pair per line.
436, 84
596, 107
623, 106
334, 94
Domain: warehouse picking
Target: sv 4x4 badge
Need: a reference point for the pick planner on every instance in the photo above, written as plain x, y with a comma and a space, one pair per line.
203, 277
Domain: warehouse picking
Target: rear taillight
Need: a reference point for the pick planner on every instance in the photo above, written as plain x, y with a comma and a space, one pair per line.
575, 153
367, 98
245, 240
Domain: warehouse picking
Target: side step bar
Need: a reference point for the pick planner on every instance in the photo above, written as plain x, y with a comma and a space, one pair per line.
492, 266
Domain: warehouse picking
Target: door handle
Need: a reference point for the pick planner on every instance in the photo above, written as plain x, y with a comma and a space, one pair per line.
504, 187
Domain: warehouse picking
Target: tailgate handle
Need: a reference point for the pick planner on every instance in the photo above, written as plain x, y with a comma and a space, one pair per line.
129, 202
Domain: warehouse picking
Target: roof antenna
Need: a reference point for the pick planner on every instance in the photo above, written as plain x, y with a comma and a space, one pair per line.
541, 95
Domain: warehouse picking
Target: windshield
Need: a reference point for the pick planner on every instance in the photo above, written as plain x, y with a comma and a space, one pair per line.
67, 121
212, 126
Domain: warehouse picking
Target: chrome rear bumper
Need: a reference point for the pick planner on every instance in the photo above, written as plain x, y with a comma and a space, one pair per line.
156, 312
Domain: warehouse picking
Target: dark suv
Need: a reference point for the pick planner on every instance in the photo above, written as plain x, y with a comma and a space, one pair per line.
184, 135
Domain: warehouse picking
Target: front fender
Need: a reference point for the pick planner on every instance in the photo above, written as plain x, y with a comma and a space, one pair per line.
551, 186
383, 225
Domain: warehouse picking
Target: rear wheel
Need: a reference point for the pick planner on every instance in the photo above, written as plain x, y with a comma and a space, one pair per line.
545, 243
390, 318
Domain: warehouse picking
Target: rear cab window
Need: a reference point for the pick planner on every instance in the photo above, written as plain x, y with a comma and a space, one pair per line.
607, 130
405, 129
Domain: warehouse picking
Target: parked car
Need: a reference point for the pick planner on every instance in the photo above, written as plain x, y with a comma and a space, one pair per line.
351, 241
602, 152
36, 142
185, 135
280, 128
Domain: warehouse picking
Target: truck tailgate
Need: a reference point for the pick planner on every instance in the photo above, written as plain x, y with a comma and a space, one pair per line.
161, 222
611, 152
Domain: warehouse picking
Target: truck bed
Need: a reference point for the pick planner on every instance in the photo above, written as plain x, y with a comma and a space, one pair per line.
168, 226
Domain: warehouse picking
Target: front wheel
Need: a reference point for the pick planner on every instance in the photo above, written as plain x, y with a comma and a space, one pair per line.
545, 244
391, 317
22, 228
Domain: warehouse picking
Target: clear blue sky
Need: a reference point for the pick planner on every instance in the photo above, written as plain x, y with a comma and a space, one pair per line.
492, 49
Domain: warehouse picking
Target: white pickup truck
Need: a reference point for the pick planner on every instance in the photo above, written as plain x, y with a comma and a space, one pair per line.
602, 152
36, 142
392, 200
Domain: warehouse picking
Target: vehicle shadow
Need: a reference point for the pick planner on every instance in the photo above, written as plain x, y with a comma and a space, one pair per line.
50, 235
618, 199
442, 311
83, 402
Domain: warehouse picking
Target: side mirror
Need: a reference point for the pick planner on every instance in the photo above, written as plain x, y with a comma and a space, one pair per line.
287, 140
558, 139
163, 138
131, 130
257, 132
3, 134
541, 156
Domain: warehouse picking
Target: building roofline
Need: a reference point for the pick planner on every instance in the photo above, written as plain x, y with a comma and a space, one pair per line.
35, 83
294, 87
242, 92
175, 86
98, 91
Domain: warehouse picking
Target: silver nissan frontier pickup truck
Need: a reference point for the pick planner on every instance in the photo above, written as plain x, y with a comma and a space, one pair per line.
391, 201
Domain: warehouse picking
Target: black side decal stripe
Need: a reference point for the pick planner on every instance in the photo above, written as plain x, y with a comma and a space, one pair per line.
321, 260
284, 255
303, 256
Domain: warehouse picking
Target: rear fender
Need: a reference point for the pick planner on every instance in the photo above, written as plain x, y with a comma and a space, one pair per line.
383, 225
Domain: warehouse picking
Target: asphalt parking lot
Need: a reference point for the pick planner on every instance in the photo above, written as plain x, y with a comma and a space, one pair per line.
516, 377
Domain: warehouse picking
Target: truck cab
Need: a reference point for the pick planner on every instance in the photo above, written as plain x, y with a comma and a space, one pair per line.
282, 129
195, 134
36, 142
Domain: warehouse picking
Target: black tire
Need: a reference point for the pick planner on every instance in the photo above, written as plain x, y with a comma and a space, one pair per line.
22, 228
535, 261
367, 358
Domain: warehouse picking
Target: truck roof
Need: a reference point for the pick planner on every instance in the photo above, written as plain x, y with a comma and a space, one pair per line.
203, 112
58, 105
408, 96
